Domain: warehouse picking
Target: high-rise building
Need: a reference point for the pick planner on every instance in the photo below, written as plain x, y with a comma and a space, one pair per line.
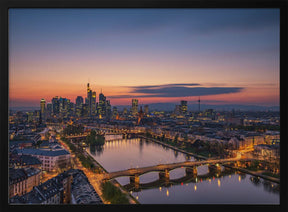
183, 107
102, 105
48, 109
146, 109
93, 103
108, 109
78, 106
89, 99
63, 105
79, 101
134, 107
42, 110
55, 105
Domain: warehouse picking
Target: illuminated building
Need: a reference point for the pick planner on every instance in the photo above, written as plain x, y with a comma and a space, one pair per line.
183, 107
102, 105
108, 109
89, 99
79, 101
51, 158
140, 116
30, 116
42, 110
78, 107
84, 111
134, 107
55, 105
49, 109
93, 103
22, 181
64, 106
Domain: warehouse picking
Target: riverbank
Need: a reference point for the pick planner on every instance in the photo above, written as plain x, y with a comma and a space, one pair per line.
131, 198
175, 148
254, 173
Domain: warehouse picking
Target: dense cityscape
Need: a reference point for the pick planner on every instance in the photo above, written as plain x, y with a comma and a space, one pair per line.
144, 106
49, 161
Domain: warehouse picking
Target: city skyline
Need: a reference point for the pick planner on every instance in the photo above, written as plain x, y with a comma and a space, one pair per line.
226, 56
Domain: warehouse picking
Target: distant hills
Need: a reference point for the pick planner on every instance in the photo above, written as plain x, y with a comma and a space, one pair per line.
171, 107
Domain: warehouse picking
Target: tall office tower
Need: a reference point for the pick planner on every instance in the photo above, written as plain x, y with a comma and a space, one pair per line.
102, 104
134, 107
183, 107
48, 109
42, 110
79, 101
62, 105
78, 106
108, 109
146, 109
93, 103
89, 99
55, 105
88, 89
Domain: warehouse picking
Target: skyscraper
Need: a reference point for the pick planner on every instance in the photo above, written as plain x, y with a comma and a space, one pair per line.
89, 99
108, 109
55, 105
48, 110
183, 107
78, 107
93, 103
102, 105
42, 110
79, 101
134, 107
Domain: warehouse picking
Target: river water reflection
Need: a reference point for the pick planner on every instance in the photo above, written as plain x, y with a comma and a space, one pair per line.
227, 187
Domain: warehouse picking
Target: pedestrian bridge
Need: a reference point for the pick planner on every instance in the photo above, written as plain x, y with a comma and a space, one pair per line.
163, 169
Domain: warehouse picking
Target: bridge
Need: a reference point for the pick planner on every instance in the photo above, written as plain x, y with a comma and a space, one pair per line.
184, 179
163, 169
108, 137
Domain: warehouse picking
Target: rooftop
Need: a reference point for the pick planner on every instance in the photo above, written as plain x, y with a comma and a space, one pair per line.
44, 152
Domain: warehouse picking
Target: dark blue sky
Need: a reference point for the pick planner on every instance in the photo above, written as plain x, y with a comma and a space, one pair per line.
117, 48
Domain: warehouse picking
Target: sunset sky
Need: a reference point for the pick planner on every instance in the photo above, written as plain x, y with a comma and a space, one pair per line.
226, 56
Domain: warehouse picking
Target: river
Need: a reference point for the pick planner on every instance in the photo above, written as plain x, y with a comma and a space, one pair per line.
227, 187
